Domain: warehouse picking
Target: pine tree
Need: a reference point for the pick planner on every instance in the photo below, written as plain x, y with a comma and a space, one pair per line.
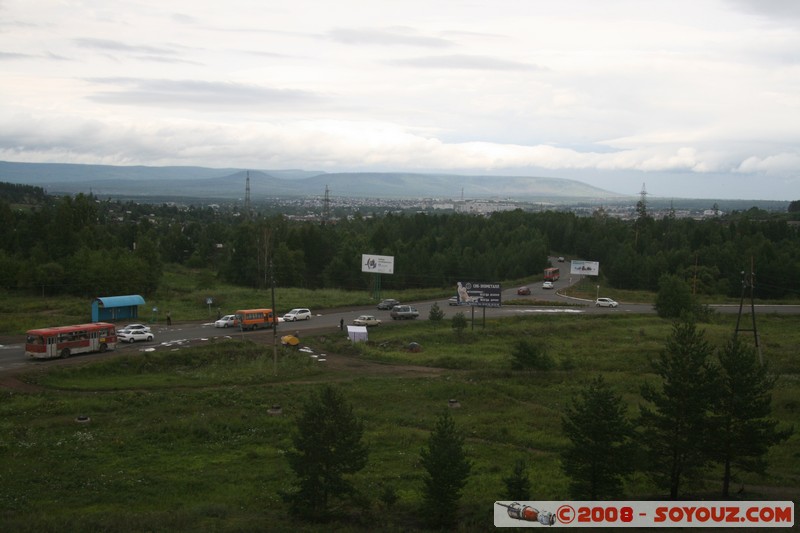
436, 315
518, 484
327, 448
676, 426
744, 430
447, 470
459, 324
599, 455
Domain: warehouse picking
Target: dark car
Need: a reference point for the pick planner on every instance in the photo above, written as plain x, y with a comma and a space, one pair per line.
524, 291
388, 303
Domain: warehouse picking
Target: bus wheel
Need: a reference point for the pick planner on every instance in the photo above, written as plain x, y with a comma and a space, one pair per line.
103, 348
64, 353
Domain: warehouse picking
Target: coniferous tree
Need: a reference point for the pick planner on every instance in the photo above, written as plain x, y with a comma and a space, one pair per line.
531, 355
599, 454
327, 448
744, 430
459, 324
447, 469
674, 297
436, 315
518, 484
676, 425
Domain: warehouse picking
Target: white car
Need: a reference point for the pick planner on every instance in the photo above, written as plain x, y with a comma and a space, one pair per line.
139, 328
135, 334
366, 320
225, 322
300, 313
547, 285
605, 302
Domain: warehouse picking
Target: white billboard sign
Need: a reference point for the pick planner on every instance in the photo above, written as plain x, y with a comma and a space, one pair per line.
379, 264
585, 268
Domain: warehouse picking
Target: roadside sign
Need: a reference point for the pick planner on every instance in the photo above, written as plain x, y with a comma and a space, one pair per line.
479, 294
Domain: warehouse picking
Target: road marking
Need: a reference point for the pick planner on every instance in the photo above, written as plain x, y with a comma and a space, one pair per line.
550, 311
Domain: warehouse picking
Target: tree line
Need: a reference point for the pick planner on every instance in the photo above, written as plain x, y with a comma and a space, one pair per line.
84, 246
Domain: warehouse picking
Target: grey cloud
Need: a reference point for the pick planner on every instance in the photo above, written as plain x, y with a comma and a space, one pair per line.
9, 56
387, 37
14, 55
183, 18
194, 92
779, 10
468, 62
117, 46
141, 52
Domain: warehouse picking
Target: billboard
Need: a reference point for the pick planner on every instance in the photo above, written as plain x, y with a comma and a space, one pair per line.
585, 268
478, 294
379, 264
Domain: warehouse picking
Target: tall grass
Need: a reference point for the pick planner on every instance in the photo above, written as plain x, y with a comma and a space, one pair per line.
184, 440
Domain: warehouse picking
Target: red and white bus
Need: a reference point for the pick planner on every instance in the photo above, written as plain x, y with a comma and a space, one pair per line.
551, 274
63, 341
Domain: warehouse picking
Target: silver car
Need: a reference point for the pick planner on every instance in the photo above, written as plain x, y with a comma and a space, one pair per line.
605, 302
225, 322
299, 313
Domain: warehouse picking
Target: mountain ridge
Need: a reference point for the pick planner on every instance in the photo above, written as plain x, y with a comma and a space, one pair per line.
205, 182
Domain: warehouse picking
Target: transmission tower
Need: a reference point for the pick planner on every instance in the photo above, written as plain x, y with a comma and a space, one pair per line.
326, 206
247, 207
748, 285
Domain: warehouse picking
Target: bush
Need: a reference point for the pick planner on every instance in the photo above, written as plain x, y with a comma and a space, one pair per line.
528, 355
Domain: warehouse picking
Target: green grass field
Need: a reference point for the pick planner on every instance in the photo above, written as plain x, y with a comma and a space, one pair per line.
183, 440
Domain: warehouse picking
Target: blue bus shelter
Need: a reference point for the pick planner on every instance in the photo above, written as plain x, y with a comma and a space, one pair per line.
110, 308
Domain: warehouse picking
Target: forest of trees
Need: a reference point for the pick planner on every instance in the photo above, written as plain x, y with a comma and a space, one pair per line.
84, 246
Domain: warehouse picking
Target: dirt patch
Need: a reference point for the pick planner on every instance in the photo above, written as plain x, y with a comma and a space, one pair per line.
12, 382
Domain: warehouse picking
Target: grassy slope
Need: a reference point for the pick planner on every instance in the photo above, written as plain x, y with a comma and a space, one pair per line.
182, 440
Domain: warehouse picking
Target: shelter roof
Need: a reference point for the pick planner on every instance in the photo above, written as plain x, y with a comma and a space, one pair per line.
120, 301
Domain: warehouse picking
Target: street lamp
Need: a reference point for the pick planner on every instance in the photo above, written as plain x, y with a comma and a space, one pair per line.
598, 292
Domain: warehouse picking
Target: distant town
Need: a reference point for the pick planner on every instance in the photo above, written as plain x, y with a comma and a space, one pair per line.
319, 208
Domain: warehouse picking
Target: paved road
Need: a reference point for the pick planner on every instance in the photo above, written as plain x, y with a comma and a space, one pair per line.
12, 355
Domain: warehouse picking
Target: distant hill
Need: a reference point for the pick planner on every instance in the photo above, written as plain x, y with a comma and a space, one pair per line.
227, 183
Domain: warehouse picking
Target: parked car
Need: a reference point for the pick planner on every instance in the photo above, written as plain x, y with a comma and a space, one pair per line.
138, 328
367, 320
301, 313
524, 291
605, 302
547, 285
225, 322
403, 312
128, 334
387, 304
453, 300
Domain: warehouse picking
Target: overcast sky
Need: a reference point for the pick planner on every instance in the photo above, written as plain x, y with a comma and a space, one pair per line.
694, 99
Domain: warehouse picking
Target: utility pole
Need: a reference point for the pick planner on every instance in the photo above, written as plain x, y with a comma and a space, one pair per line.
274, 322
748, 282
